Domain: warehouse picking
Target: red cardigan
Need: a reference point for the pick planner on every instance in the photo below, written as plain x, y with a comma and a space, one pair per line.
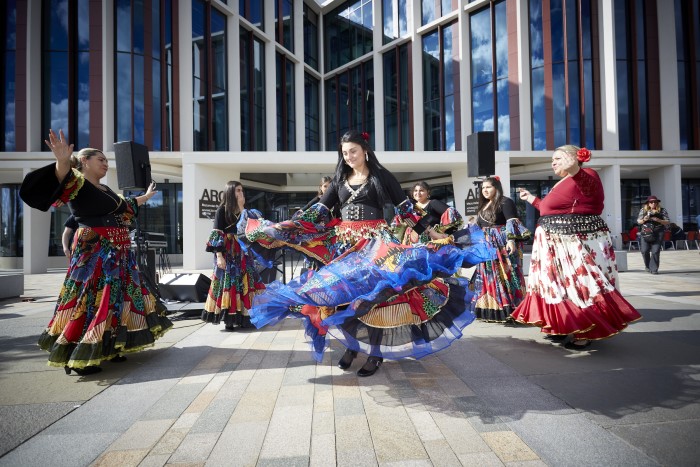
580, 194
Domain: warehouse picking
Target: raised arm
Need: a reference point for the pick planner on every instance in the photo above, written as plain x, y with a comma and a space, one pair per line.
61, 151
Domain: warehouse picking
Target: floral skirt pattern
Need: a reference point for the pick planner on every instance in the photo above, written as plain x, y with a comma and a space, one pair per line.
571, 287
499, 285
104, 308
232, 289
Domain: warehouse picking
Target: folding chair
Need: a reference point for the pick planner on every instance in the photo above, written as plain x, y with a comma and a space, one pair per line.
626, 240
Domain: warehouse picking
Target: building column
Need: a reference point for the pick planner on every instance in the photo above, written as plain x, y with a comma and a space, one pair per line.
108, 87
233, 80
186, 123
34, 73
417, 76
612, 212
299, 88
668, 75
270, 82
524, 101
464, 73
665, 183
199, 182
608, 79
378, 138
35, 237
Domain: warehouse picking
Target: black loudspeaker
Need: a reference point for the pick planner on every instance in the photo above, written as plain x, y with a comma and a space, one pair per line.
481, 154
133, 165
191, 287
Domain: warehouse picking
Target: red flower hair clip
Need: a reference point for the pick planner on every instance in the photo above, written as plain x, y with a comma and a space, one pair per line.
365, 136
583, 155
497, 178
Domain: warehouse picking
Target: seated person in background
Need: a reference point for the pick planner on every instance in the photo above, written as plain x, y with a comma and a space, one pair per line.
677, 232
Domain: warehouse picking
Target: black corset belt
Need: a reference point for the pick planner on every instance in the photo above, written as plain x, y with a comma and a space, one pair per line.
110, 220
360, 212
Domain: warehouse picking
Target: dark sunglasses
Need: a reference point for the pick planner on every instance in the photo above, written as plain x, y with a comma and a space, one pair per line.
653, 202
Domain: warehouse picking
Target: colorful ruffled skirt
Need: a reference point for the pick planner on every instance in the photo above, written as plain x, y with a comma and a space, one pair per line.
571, 287
232, 289
378, 297
499, 285
104, 309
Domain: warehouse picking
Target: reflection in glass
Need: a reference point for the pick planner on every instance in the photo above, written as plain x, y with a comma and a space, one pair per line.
347, 33
11, 231
310, 37
311, 113
8, 55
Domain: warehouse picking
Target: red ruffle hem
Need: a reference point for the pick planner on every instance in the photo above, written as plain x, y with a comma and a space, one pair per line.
609, 314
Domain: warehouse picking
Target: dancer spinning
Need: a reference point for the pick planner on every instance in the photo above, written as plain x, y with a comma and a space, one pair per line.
377, 296
104, 309
235, 280
572, 285
499, 285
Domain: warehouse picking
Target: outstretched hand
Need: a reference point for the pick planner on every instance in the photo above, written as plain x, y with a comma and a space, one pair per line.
59, 146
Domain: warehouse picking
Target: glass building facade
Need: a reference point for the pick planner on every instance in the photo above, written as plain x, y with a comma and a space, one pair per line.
229, 86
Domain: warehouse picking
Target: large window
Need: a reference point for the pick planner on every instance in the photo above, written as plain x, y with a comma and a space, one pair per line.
397, 100
163, 214
143, 85
209, 78
8, 30
66, 70
441, 105
349, 103
310, 37
10, 221
434, 9
284, 23
286, 124
394, 20
348, 33
489, 67
638, 100
688, 53
252, 92
312, 113
563, 72
253, 11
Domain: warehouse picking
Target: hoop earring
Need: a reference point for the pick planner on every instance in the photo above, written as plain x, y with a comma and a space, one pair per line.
366, 158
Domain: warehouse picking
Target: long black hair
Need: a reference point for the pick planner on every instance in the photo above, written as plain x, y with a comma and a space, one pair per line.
491, 212
230, 203
342, 170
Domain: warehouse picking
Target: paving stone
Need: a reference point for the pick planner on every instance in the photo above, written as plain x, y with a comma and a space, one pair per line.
174, 402
462, 438
352, 434
169, 442
238, 445
18, 423
155, 460
255, 406
323, 423
143, 434
289, 432
482, 459
345, 406
195, 447
425, 426
322, 449
296, 395
440, 453
125, 458
508, 446
215, 417
283, 462
323, 400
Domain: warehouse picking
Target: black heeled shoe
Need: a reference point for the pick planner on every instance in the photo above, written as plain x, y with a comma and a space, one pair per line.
556, 337
347, 358
118, 359
574, 346
88, 370
370, 367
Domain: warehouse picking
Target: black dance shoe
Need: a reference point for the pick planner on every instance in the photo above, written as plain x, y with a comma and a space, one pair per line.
118, 359
574, 346
370, 367
88, 370
347, 358
556, 337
